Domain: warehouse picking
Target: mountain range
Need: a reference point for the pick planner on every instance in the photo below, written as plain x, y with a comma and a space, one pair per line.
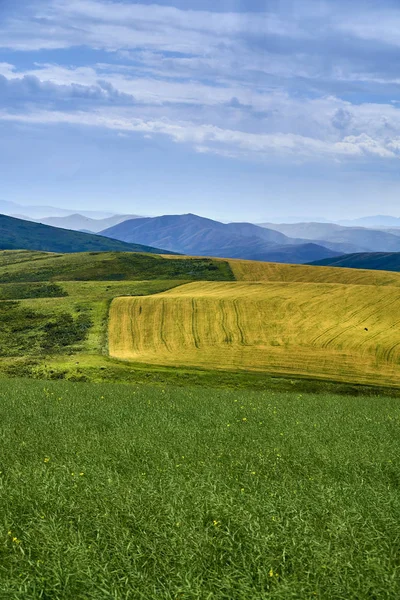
198, 236
13, 209
376, 221
290, 242
17, 234
78, 222
338, 237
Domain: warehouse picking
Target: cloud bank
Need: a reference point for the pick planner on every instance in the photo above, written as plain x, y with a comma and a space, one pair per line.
298, 82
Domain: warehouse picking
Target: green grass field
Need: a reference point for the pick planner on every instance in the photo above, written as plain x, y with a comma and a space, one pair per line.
125, 492
213, 480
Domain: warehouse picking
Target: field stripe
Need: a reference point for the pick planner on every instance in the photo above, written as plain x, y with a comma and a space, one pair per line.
312, 330
194, 324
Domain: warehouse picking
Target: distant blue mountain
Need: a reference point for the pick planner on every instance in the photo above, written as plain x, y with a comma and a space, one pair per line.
374, 221
196, 236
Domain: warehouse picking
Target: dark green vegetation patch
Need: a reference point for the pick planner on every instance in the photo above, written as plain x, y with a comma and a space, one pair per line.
20, 291
381, 261
28, 332
136, 492
112, 266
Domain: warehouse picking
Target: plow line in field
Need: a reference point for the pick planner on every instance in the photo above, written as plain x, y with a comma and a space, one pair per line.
343, 332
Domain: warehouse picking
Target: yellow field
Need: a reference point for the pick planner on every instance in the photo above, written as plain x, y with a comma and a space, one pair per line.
253, 270
309, 329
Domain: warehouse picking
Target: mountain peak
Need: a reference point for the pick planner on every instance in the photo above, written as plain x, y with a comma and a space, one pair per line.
198, 236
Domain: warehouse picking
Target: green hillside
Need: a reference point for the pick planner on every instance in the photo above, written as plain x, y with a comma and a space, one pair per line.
381, 261
55, 319
54, 307
18, 234
43, 320
22, 266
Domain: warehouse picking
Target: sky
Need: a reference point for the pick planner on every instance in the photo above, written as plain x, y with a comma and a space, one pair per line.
232, 109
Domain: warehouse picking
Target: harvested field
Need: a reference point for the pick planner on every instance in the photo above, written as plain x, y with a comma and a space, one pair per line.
251, 270
340, 332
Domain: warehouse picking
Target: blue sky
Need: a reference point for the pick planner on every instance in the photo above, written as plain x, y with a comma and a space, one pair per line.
236, 109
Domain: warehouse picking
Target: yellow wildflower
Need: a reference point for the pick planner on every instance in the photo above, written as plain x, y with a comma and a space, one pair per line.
46, 460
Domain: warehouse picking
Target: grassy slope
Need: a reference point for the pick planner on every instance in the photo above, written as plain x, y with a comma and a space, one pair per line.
141, 492
13, 257
19, 291
96, 297
307, 329
17, 234
108, 266
246, 270
272, 349
22, 330
250, 270
385, 261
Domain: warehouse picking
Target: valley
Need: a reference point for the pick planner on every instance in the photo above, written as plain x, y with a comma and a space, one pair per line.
101, 316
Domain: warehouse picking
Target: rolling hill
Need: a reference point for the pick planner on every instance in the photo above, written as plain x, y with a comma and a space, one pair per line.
245, 316
20, 234
34, 266
194, 235
27, 266
383, 261
247, 270
332, 331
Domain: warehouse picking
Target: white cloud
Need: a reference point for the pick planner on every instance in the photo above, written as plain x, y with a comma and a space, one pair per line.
7, 70
209, 138
113, 25
153, 91
379, 25
159, 17
216, 42
226, 93
232, 120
